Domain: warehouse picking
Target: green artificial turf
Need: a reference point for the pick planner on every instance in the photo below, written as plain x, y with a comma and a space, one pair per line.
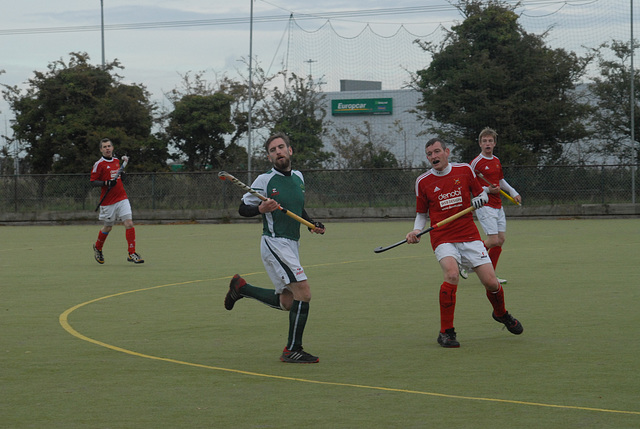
119, 345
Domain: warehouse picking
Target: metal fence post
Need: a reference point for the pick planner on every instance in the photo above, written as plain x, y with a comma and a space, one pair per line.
153, 191
15, 193
603, 184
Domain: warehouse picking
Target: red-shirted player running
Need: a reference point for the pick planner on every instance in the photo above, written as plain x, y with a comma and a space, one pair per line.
491, 216
115, 204
441, 192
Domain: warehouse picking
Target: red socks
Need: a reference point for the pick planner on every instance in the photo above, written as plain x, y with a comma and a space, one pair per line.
130, 234
497, 301
494, 254
131, 239
101, 239
447, 305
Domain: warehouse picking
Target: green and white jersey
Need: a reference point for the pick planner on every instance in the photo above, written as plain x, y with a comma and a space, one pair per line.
286, 190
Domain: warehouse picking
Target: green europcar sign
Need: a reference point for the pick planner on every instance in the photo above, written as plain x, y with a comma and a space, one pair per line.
362, 106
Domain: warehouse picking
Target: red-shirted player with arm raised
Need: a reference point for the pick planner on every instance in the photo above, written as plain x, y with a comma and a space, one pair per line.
441, 192
115, 205
491, 216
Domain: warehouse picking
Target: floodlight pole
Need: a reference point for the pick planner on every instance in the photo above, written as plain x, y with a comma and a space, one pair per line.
249, 125
632, 99
102, 29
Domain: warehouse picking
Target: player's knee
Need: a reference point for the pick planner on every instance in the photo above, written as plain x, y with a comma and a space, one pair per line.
301, 291
452, 276
492, 286
305, 297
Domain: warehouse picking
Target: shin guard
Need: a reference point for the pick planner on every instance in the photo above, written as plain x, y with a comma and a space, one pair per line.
447, 305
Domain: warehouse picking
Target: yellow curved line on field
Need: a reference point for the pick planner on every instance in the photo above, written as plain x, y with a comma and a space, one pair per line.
64, 321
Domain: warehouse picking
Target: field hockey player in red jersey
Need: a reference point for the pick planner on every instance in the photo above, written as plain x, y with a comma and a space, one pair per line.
114, 204
491, 217
441, 192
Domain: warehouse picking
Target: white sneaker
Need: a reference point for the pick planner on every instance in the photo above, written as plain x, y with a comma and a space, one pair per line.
502, 281
463, 273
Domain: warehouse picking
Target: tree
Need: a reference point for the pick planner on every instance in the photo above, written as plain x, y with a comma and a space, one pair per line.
233, 156
197, 127
298, 112
612, 117
61, 117
490, 72
362, 148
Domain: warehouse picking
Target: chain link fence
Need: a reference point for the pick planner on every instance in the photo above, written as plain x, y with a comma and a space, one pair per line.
539, 186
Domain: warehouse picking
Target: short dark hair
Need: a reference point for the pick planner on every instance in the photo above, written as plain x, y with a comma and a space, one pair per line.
434, 141
282, 136
104, 141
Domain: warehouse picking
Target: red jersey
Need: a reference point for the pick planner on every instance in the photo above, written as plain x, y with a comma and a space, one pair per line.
491, 169
443, 194
106, 169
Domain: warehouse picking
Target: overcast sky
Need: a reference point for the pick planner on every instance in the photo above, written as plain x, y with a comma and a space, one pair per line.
34, 33
159, 40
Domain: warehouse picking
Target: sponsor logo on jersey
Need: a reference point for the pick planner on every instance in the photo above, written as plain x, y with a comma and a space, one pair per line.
450, 198
274, 193
456, 181
436, 189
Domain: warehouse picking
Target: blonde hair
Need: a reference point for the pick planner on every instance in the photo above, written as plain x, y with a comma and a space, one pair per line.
486, 131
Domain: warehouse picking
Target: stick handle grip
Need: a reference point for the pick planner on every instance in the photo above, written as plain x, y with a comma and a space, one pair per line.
296, 217
224, 175
449, 219
507, 196
431, 228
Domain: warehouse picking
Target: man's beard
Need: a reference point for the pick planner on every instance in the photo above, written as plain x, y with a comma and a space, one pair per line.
283, 163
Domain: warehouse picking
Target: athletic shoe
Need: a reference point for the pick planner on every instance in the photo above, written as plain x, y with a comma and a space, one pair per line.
448, 339
234, 291
463, 272
512, 324
98, 255
135, 258
298, 356
502, 281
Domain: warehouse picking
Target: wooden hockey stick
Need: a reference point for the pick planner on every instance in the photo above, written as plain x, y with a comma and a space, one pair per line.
507, 196
120, 170
431, 228
226, 176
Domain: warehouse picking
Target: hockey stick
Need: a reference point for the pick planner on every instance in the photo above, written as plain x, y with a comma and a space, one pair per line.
431, 228
223, 175
507, 196
120, 170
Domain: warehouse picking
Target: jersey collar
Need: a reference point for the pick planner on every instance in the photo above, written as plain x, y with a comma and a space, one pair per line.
444, 172
284, 173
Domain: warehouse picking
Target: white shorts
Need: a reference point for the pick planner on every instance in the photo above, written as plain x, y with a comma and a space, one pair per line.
492, 220
469, 255
281, 259
118, 211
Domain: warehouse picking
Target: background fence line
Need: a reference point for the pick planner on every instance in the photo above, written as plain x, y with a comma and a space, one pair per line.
361, 188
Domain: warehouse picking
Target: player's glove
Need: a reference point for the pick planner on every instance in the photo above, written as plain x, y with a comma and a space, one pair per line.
317, 225
480, 200
111, 183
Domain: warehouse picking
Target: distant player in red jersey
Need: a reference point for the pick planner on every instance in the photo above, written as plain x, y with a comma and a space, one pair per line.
441, 192
491, 216
115, 205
